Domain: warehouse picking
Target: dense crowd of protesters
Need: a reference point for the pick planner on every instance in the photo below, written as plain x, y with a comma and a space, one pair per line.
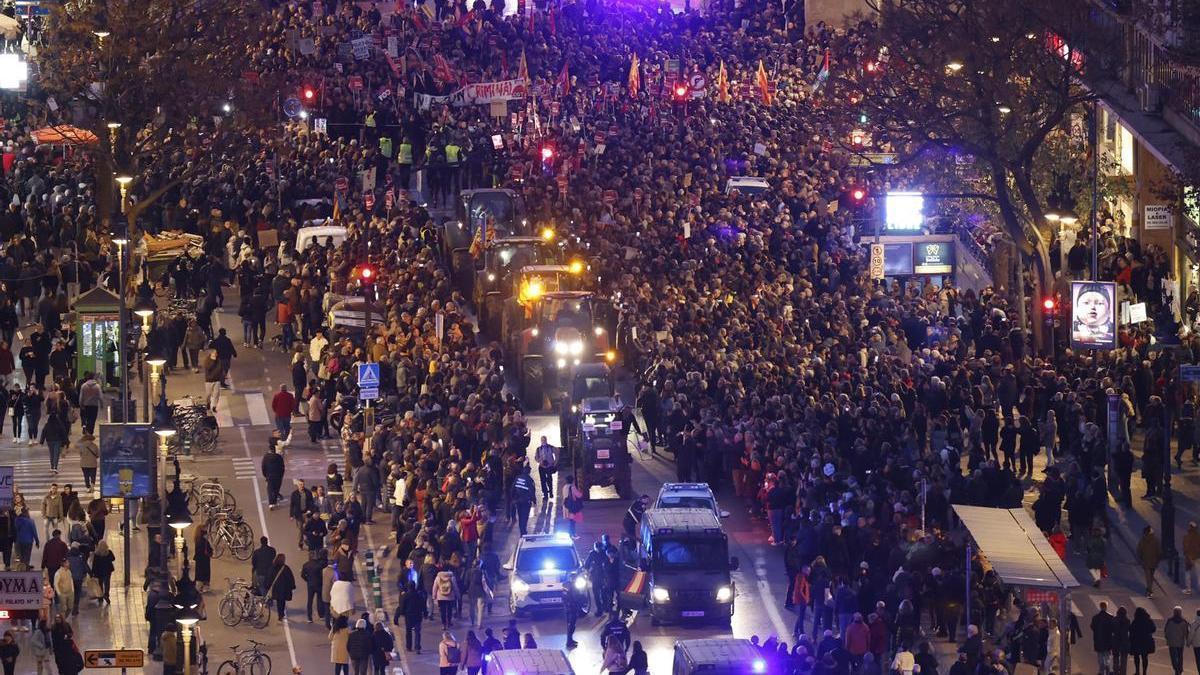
849, 414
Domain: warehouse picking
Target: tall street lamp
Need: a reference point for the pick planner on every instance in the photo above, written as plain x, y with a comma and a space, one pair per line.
164, 429
123, 182
122, 241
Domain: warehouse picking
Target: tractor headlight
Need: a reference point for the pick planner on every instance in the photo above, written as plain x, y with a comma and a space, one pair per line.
724, 594
660, 594
562, 363
491, 276
560, 347
576, 347
519, 586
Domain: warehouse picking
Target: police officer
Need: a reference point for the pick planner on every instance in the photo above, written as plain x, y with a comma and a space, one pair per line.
523, 497
616, 628
575, 602
597, 564
633, 517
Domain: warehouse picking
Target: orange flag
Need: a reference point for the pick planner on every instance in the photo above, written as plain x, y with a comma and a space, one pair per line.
723, 84
635, 77
764, 86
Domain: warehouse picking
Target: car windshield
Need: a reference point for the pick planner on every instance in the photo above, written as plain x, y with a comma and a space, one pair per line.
709, 553
595, 387
546, 559
686, 502
567, 312
515, 256
496, 205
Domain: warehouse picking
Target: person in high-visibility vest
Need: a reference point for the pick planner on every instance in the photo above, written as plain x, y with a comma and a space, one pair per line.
454, 155
404, 158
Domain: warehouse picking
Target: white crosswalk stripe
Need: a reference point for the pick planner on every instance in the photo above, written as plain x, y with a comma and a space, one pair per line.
256, 404
1144, 603
244, 467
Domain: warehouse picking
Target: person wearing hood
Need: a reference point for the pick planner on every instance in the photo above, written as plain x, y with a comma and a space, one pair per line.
359, 646
1175, 632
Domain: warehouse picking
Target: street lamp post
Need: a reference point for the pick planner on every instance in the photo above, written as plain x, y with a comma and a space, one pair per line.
164, 429
123, 356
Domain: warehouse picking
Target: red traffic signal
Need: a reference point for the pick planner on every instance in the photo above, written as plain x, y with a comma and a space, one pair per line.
309, 93
367, 273
681, 91
858, 194
547, 153
1048, 304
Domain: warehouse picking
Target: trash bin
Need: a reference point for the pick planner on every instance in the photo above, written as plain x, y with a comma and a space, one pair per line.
115, 413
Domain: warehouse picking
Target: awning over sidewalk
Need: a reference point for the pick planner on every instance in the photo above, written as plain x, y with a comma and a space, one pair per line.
1015, 547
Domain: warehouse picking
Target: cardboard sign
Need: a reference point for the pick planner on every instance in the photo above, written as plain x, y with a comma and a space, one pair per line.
610, 197
320, 125
268, 238
355, 83
341, 184
306, 46
369, 201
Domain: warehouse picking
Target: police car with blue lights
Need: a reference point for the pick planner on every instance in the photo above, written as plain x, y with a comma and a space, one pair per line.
544, 568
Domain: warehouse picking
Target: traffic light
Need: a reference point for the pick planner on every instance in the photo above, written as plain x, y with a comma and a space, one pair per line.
858, 195
858, 138
1048, 305
681, 92
367, 273
309, 94
547, 153
366, 280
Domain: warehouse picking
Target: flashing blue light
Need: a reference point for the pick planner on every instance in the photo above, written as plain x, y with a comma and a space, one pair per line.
549, 566
487, 657
759, 666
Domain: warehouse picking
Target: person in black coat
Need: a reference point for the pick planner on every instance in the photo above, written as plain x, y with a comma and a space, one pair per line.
412, 606
312, 574
272, 471
382, 644
359, 645
203, 558
282, 584
1141, 641
260, 564
1120, 641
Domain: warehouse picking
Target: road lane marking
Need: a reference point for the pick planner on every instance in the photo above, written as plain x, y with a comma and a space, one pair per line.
262, 521
224, 416
768, 599
257, 405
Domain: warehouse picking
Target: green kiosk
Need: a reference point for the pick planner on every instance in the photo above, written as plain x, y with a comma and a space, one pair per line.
97, 315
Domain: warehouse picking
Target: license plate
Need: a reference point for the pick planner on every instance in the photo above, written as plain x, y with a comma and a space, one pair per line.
556, 601
692, 615
602, 454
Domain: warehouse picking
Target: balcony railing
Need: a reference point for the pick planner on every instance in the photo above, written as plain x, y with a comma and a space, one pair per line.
1155, 73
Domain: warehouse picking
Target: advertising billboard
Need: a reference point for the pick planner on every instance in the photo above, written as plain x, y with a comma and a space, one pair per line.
126, 453
897, 260
905, 211
935, 257
1093, 315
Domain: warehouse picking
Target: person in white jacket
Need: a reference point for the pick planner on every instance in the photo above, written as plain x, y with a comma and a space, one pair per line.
904, 663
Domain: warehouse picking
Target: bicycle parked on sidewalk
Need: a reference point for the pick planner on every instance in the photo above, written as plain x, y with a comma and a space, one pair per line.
229, 531
250, 661
207, 494
241, 603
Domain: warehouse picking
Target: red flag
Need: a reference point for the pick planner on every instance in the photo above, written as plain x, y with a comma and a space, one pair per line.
441, 69
550, 18
533, 21
635, 77
503, 65
764, 85
523, 68
564, 80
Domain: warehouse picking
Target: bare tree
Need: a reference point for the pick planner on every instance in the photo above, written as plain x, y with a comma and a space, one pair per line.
992, 79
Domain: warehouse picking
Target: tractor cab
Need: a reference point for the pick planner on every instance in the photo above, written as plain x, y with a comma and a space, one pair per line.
496, 265
562, 332
481, 216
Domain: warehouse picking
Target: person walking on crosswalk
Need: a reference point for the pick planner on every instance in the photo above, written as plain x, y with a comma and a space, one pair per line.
272, 471
52, 507
283, 404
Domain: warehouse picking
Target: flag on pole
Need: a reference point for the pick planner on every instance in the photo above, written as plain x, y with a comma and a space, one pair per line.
764, 85
523, 68
564, 81
635, 77
550, 22
532, 21
441, 69
723, 84
337, 208
823, 74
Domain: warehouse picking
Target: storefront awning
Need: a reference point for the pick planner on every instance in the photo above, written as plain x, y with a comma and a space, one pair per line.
1015, 547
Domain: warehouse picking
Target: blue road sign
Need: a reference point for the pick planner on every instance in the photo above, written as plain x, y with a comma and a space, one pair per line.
368, 375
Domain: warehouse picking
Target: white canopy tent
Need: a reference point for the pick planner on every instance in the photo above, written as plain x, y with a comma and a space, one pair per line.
1014, 547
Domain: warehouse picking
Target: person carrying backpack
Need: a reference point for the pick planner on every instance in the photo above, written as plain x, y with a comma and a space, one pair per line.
445, 593
449, 654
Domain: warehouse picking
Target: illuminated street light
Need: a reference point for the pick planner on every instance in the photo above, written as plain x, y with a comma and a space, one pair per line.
954, 66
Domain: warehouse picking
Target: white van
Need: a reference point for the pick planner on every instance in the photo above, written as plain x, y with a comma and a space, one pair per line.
318, 231
529, 662
747, 185
718, 656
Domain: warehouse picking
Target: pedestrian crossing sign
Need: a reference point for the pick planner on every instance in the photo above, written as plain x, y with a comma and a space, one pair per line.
368, 375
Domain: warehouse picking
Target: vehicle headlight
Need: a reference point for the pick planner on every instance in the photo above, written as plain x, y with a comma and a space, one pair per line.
599, 330
491, 277
724, 594
562, 363
560, 347
576, 347
581, 583
535, 332
519, 586
660, 594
